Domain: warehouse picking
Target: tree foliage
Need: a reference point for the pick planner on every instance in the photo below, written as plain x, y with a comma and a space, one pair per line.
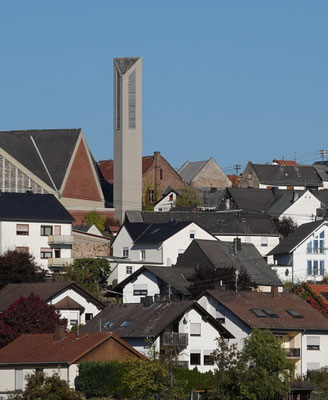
19, 267
27, 315
93, 218
42, 387
285, 226
260, 371
89, 273
188, 197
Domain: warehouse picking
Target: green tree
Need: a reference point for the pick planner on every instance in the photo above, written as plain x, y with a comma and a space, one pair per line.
188, 197
89, 273
19, 267
42, 387
93, 218
285, 226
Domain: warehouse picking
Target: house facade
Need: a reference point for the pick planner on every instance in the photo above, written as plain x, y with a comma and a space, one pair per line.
302, 256
302, 330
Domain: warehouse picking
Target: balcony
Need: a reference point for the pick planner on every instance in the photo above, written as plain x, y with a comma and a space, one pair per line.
293, 352
60, 239
175, 339
59, 262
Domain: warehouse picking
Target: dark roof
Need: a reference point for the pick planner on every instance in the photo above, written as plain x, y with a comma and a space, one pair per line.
145, 321
173, 276
82, 228
125, 63
296, 237
45, 290
250, 198
55, 145
190, 169
216, 223
242, 303
322, 170
283, 201
300, 175
32, 207
42, 348
153, 233
322, 195
219, 254
211, 197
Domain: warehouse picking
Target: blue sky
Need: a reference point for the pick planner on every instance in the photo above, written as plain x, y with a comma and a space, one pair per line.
235, 80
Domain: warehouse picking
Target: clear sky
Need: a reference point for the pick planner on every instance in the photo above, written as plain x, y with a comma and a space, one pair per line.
235, 80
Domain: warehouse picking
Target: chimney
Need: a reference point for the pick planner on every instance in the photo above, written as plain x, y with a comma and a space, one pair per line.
60, 332
157, 172
274, 191
274, 292
236, 245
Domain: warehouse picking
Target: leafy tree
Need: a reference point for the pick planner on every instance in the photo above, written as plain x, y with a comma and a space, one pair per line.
285, 226
17, 267
93, 218
90, 273
27, 315
188, 197
42, 387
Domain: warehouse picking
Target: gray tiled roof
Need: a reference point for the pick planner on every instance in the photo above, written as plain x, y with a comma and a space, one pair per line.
301, 175
218, 223
125, 63
283, 201
322, 195
219, 254
190, 169
144, 321
211, 197
296, 237
55, 145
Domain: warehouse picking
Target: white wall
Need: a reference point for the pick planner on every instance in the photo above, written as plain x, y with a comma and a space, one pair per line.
165, 204
303, 210
9, 239
318, 357
147, 279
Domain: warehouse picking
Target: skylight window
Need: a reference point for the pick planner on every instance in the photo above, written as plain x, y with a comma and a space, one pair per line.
108, 324
271, 313
295, 314
259, 313
126, 323
324, 294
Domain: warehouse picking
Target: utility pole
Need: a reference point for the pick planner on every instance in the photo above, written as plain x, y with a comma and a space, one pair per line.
237, 168
323, 154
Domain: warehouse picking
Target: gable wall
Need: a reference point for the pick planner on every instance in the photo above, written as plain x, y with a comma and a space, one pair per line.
146, 278
81, 183
303, 210
249, 178
211, 175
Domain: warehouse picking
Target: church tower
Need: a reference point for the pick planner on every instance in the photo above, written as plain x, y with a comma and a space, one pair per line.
127, 135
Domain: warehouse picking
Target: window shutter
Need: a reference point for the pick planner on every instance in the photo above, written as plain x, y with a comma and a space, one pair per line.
195, 329
313, 340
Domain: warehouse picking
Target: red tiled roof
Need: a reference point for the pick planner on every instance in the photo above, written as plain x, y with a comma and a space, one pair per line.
318, 289
241, 304
107, 167
42, 348
285, 162
234, 179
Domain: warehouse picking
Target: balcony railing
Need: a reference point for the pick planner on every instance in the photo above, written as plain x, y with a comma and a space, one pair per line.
175, 339
60, 239
293, 352
59, 262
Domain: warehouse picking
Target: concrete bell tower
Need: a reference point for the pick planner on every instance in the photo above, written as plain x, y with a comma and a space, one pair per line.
127, 135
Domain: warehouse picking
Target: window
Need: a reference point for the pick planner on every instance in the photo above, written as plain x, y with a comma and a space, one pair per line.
259, 313
125, 252
151, 196
22, 229
21, 249
45, 253
315, 267
270, 313
208, 358
171, 197
264, 241
132, 100
19, 379
295, 314
46, 230
129, 269
57, 253
313, 343
160, 174
194, 357
108, 324
57, 230
126, 323
192, 234
311, 366
38, 371
322, 267
88, 316
140, 289
317, 245
73, 322
142, 254
309, 267
195, 329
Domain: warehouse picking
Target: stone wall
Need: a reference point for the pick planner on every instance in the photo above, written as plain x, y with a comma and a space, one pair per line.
90, 246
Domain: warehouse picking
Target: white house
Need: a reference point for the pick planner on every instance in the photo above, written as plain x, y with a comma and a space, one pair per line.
166, 203
38, 224
182, 329
72, 302
302, 330
140, 243
302, 255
